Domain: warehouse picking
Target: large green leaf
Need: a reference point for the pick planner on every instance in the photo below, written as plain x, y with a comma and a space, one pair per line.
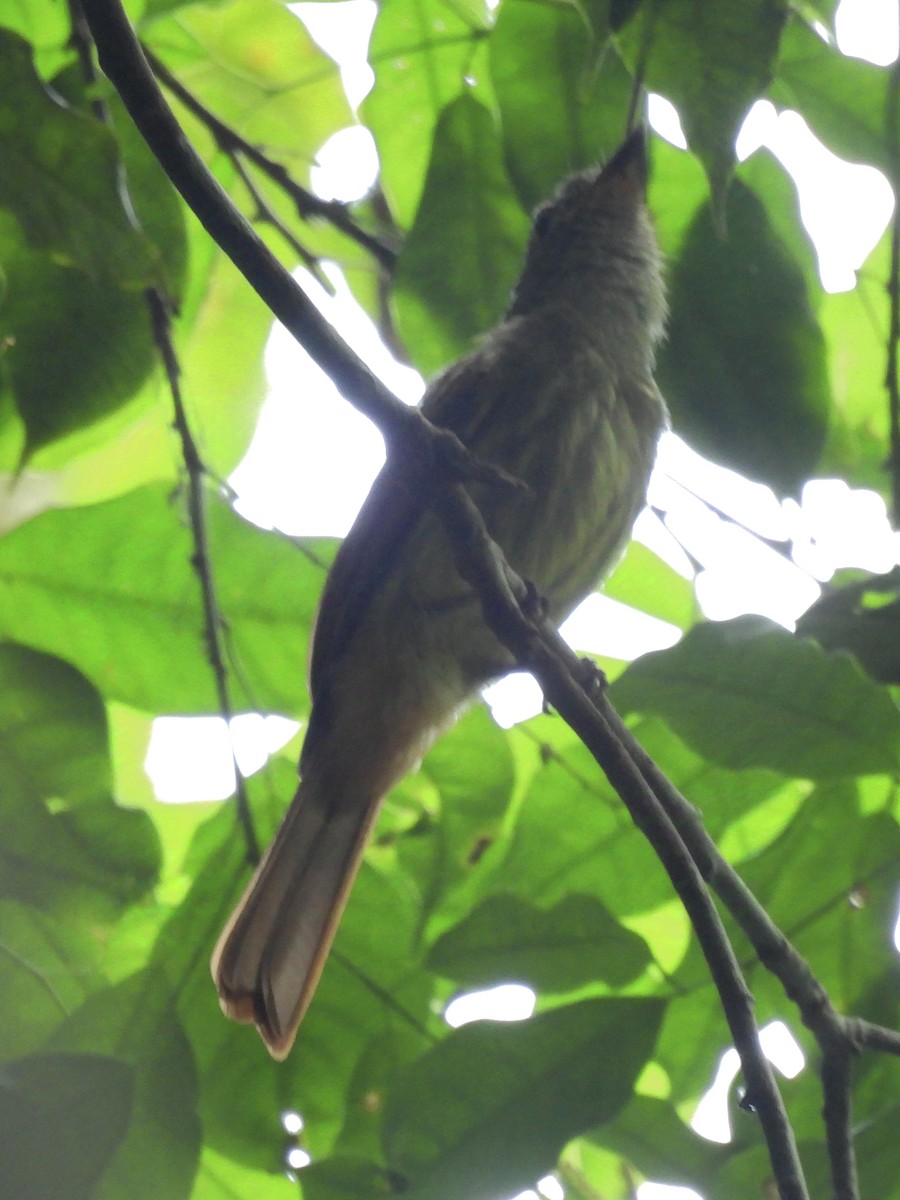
487, 1111
78, 347
60, 178
111, 588
744, 368
254, 65
134, 1022
575, 942
460, 259
68, 849
843, 99
830, 882
747, 693
712, 62
645, 582
421, 54
572, 834
62, 1117
459, 798
855, 325
562, 93
650, 1135
372, 989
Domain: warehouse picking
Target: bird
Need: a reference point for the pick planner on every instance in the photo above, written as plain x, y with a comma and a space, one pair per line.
561, 396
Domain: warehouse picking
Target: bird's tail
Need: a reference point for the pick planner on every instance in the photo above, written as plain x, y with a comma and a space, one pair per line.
271, 953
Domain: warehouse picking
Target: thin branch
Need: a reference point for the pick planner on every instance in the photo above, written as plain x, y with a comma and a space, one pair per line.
782, 547
213, 622
264, 212
82, 43
837, 1112
307, 203
874, 1037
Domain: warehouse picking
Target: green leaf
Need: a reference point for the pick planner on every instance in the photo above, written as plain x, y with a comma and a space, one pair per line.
575, 942
221, 1178
343, 1178
62, 1118
68, 849
843, 99
60, 178
46, 26
371, 988
862, 618
830, 883
99, 353
421, 54
46, 970
712, 62
461, 256
650, 1135
471, 767
134, 1022
562, 99
486, 1112
254, 65
572, 833
643, 581
229, 1059
763, 412
746, 693
111, 588
855, 326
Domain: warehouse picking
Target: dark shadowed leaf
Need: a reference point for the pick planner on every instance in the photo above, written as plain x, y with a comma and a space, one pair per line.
68, 849
342, 1178
863, 618
747, 693
60, 178
744, 368
62, 1117
77, 347
486, 1112
134, 1021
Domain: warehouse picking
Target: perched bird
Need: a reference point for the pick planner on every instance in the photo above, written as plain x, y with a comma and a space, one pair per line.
560, 395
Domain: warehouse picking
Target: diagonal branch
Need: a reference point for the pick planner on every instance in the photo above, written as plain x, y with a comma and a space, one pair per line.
213, 622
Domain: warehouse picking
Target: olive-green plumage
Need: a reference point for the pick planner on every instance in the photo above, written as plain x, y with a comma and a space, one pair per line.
561, 396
